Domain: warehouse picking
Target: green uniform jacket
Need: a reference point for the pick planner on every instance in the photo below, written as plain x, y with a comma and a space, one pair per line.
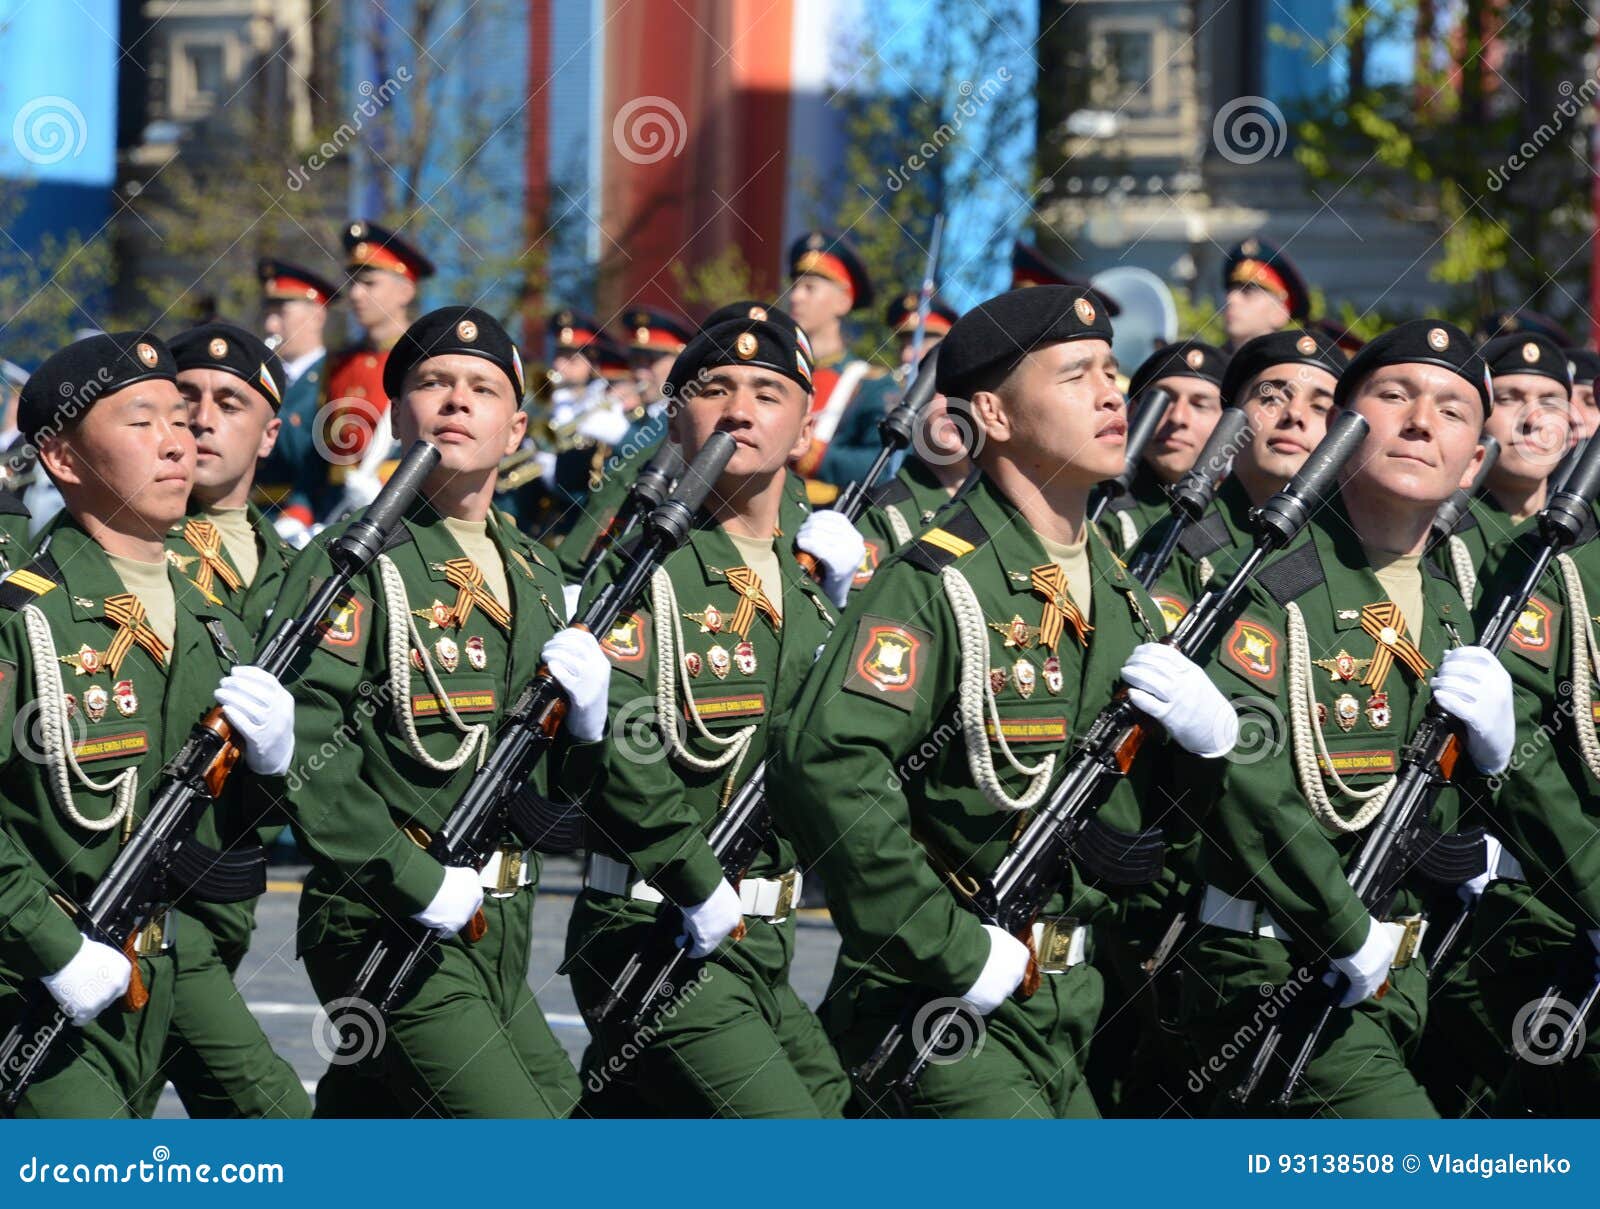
896, 512
253, 602
652, 809
1260, 840
872, 777
1144, 504
621, 468
1222, 538
1485, 534
137, 716
356, 781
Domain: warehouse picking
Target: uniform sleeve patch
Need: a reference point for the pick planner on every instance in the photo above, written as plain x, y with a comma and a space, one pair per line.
342, 627
1172, 609
1251, 650
1534, 635
869, 564
887, 660
626, 643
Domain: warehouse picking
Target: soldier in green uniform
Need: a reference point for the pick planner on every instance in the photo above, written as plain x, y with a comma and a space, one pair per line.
400, 703
943, 709
109, 658
1191, 372
1340, 645
1583, 367
730, 628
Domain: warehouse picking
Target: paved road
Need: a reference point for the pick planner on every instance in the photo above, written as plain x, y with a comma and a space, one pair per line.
274, 983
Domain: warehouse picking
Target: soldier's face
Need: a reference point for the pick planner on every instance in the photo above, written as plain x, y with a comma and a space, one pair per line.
1288, 407
1532, 420
1424, 424
573, 367
816, 302
379, 298
1585, 414
1196, 408
297, 324
464, 405
233, 426
128, 461
650, 370
1058, 417
1251, 311
767, 414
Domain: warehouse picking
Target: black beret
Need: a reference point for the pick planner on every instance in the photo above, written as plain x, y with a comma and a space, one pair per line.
828, 255
901, 315
370, 246
1527, 354
995, 335
1317, 349
760, 342
62, 389
453, 329
1583, 364
1419, 341
1257, 262
1185, 359
227, 347
1505, 323
1029, 266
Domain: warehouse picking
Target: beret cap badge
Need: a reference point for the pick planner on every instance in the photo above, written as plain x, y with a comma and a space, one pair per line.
1195, 358
1085, 310
745, 345
467, 330
147, 354
218, 348
1438, 339
1530, 353
1306, 345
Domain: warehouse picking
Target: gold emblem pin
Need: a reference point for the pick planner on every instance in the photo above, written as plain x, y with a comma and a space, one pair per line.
147, 353
218, 349
1438, 339
1530, 353
1085, 310
745, 345
1306, 345
1195, 358
467, 330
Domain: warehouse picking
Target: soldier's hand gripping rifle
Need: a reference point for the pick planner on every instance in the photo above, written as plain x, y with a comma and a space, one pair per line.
491, 802
1398, 839
1146, 418
1035, 865
649, 488
1193, 494
742, 828
139, 880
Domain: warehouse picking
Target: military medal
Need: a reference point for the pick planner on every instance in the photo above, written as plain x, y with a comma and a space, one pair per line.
1344, 666
416, 659
127, 700
997, 679
437, 615
692, 663
1346, 710
717, 657
71, 702
1052, 675
1322, 715
710, 621
476, 656
745, 656
1023, 672
449, 654
95, 700
1378, 710
1016, 632
86, 662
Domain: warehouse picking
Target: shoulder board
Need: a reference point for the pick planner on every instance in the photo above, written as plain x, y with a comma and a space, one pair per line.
12, 505
1122, 502
958, 535
1469, 520
399, 536
25, 584
1293, 575
884, 494
1206, 536
1432, 567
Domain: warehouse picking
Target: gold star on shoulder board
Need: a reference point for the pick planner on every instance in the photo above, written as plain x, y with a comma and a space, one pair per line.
1016, 632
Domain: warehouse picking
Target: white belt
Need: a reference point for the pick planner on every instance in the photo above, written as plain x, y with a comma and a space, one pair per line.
770, 898
508, 870
1222, 910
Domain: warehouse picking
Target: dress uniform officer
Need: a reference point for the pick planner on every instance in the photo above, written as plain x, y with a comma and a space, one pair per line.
293, 477
1191, 372
412, 680
731, 626
1346, 635
1583, 366
1264, 292
113, 657
940, 712
385, 271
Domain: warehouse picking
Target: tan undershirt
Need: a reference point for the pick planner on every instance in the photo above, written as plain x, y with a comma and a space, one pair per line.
1074, 560
1401, 577
149, 582
761, 556
475, 542
238, 538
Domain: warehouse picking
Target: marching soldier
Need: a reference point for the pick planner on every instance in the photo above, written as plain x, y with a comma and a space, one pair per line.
1191, 372
115, 657
385, 272
1347, 635
1264, 292
1583, 367
730, 628
414, 674
293, 477
937, 716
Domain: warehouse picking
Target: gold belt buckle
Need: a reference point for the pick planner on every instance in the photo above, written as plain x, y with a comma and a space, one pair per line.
1410, 940
151, 938
510, 878
785, 897
1055, 944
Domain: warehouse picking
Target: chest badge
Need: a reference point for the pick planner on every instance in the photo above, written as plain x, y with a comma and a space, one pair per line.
744, 655
997, 680
693, 663
717, 657
710, 620
1378, 710
70, 700
477, 657
86, 662
437, 615
1343, 667
127, 701
1016, 632
448, 652
95, 701
1346, 710
1052, 675
1026, 677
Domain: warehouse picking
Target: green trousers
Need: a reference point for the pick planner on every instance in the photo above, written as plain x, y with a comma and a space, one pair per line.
1237, 986
217, 1058
736, 1041
468, 1040
99, 1071
1025, 1061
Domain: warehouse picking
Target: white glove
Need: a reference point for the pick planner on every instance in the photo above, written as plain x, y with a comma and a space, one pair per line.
456, 902
604, 426
292, 530
360, 489
1002, 973
1469, 892
1368, 967
1176, 693
88, 984
570, 595
262, 711
1475, 687
830, 538
584, 674
710, 922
